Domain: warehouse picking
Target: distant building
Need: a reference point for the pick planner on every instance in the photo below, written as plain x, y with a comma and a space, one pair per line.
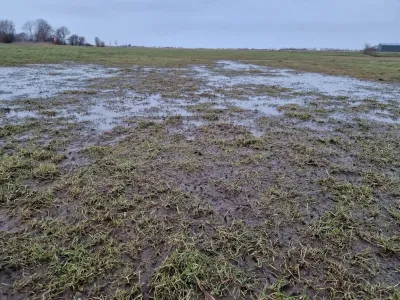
388, 48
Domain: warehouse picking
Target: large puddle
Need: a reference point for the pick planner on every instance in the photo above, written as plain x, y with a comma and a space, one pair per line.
301, 81
41, 81
106, 114
107, 108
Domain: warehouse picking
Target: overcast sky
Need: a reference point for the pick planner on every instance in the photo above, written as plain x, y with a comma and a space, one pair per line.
219, 23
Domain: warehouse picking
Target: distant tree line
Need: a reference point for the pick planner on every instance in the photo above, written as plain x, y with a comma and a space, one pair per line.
7, 31
41, 31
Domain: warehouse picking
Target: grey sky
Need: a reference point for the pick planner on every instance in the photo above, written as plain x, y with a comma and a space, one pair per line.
219, 23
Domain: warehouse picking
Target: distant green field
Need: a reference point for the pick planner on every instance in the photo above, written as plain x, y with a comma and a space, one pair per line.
385, 68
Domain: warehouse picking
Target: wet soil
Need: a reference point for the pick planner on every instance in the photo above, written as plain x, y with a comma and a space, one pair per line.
245, 181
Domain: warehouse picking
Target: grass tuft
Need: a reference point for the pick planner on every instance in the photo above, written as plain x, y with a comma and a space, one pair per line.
178, 276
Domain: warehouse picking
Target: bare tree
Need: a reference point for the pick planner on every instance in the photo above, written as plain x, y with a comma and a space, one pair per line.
97, 41
74, 40
43, 31
81, 41
29, 29
61, 35
368, 49
7, 26
7, 31
21, 37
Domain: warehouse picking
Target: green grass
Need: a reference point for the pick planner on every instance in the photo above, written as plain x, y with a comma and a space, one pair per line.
8, 130
187, 272
295, 111
351, 64
45, 171
125, 220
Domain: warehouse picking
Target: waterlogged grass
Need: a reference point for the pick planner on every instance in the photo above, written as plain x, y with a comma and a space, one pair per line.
298, 206
29, 161
45, 171
187, 272
295, 111
133, 223
351, 64
83, 92
9, 130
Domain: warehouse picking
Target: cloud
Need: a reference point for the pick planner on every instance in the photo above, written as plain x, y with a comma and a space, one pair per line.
219, 23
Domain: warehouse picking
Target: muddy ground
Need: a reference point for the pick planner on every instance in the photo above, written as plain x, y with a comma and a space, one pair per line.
242, 181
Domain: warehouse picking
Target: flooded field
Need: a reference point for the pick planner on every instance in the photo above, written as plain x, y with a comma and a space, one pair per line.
227, 86
239, 180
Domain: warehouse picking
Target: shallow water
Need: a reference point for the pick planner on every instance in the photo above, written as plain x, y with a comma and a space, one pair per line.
108, 112
109, 108
21, 114
372, 116
257, 106
41, 81
380, 118
301, 81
